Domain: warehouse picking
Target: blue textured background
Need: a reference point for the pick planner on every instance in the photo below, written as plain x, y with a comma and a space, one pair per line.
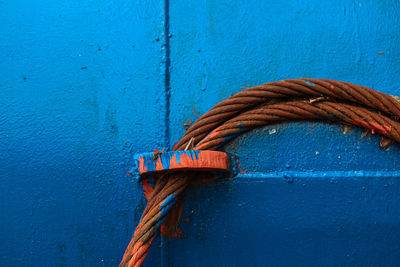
84, 85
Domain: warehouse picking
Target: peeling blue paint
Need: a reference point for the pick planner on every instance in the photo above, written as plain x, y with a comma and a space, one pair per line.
309, 83
165, 208
165, 158
169, 157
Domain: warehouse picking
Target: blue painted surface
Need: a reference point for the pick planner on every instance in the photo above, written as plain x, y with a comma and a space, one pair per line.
312, 196
80, 83
324, 199
84, 85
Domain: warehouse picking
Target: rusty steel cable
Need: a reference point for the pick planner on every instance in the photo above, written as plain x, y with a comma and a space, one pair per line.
286, 100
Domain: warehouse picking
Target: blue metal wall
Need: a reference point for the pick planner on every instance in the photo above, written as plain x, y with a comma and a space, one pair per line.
86, 84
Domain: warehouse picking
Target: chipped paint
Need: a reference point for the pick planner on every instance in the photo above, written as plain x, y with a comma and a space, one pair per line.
182, 160
165, 206
309, 83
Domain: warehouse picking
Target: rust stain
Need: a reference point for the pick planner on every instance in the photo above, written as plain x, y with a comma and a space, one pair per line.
147, 189
372, 126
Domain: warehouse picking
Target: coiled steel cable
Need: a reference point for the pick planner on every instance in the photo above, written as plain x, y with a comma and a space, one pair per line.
286, 100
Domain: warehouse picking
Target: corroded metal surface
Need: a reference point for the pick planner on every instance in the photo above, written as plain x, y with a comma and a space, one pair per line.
193, 160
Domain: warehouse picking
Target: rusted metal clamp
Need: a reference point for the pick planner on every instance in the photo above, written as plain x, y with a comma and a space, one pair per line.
193, 160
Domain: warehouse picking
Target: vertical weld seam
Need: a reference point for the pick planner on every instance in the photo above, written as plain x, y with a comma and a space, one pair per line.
167, 88
167, 79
